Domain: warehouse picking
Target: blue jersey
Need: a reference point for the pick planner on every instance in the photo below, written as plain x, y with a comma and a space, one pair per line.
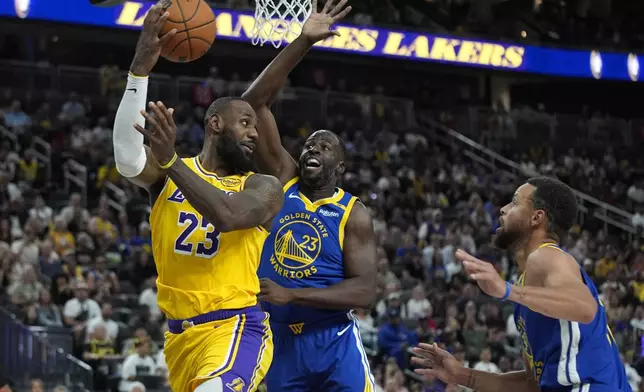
569, 356
304, 249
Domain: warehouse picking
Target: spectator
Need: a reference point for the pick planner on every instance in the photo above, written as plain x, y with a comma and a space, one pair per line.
105, 321
634, 379
80, 309
50, 265
28, 247
37, 385
74, 213
137, 364
16, 118
101, 281
61, 290
48, 312
637, 220
101, 227
41, 213
394, 338
418, 305
143, 269
140, 334
62, 238
73, 109
148, 298
26, 289
485, 364
99, 351
6, 385
636, 192
30, 316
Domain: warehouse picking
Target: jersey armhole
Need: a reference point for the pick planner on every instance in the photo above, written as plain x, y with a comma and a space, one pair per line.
156, 191
345, 219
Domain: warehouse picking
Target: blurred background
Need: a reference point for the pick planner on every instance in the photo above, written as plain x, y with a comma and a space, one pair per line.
445, 106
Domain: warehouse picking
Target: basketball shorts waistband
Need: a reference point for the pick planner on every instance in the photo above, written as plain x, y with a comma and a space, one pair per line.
178, 326
299, 328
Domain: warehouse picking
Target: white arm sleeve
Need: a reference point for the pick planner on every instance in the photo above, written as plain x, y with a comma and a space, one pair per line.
129, 154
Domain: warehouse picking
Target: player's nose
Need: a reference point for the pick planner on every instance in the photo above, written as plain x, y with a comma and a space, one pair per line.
252, 133
314, 149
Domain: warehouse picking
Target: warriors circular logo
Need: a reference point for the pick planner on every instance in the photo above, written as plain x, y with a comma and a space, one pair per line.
297, 244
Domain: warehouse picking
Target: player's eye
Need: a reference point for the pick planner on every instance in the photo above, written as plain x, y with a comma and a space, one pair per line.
244, 123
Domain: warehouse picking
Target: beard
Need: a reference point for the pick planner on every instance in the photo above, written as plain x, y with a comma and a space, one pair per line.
507, 239
232, 153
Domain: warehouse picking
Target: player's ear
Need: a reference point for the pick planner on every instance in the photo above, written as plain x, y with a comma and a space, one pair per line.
538, 217
216, 123
340, 169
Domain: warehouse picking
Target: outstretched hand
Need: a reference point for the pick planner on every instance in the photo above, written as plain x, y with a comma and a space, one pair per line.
484, 273
161, 132
435, 362
318, 26
148, 47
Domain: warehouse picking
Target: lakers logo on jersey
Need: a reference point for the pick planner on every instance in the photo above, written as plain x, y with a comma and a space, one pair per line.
237, 385
297, 245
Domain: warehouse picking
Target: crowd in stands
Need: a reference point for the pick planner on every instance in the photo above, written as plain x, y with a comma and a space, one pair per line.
71, 259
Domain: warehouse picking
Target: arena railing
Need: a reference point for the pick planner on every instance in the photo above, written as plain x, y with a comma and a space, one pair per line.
42, 151
116, 197
25, 355
75, 175
313, 106
9, 135
608, 214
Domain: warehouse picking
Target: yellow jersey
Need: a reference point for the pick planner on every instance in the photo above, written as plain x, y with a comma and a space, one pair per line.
200, 269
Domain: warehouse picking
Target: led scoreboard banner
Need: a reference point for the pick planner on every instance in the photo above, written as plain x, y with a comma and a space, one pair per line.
369, 41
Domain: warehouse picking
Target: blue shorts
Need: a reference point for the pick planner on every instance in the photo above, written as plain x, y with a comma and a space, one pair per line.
330, 359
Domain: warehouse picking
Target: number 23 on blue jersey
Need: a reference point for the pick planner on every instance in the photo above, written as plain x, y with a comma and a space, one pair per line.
191, 223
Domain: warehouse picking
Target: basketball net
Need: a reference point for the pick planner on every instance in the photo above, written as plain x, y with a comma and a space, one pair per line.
277, 21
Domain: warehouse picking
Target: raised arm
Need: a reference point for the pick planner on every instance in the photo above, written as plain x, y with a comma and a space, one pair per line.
434, 362
256, 205
271, 156
553, 285
357, 290
134, 160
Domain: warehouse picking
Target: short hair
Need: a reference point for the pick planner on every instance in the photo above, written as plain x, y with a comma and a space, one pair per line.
558, 201
219, 106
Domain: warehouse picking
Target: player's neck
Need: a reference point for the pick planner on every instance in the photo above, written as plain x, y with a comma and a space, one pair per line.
316, 193
211, 163
533, 243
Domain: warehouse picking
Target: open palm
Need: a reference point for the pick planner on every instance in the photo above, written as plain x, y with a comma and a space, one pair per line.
486, 276
318, 26
434, 362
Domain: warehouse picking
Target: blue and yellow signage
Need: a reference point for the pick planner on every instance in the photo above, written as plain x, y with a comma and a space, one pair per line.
371, 41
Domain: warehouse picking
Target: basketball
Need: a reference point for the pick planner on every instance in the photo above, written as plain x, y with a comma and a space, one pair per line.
196, 30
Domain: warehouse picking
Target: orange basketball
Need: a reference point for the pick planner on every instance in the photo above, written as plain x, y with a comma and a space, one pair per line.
196, 30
